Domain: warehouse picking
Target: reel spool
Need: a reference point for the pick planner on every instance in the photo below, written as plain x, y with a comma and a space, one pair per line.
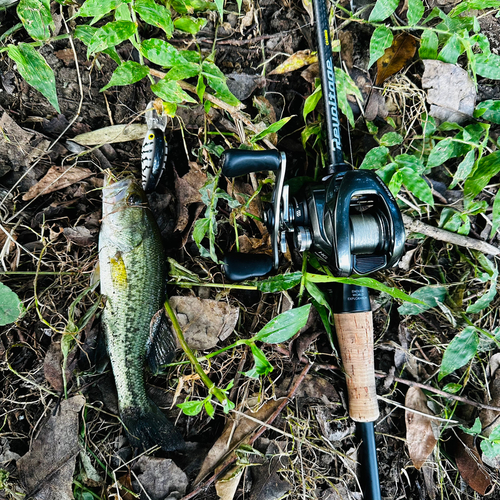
350, 221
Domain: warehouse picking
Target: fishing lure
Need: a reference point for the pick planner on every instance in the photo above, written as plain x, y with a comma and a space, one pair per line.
154, 149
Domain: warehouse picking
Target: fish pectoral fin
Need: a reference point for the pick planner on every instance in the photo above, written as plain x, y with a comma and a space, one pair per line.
161, 344
118, 271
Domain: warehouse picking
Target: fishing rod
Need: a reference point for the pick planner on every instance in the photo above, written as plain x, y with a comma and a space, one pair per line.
351, 222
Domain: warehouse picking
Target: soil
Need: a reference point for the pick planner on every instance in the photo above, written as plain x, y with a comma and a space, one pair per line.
56, 234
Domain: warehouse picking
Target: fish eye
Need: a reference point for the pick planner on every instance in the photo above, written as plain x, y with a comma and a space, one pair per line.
134, 199
151, 136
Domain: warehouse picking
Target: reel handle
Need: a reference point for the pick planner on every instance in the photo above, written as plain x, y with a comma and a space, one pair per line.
236, 162
244, 266
355, 338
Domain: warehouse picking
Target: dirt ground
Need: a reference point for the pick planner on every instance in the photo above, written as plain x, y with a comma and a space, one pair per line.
311, 450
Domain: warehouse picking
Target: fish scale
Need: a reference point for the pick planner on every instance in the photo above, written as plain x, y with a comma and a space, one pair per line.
133, 281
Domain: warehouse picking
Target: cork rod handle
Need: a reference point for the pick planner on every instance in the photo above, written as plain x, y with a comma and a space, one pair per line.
355, 337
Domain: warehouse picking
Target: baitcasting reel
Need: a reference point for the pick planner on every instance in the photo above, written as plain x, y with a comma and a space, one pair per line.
350, 221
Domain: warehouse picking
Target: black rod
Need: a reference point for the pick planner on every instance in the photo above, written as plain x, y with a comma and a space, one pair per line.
369, 480
328, 85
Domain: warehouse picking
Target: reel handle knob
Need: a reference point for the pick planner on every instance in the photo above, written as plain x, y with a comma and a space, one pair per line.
236, 162
243, 266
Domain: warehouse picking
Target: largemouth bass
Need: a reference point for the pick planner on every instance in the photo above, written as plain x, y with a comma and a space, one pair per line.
133, 281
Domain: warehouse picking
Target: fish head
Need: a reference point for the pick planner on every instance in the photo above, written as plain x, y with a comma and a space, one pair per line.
126, 216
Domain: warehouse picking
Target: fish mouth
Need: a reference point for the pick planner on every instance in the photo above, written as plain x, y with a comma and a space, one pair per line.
123, 193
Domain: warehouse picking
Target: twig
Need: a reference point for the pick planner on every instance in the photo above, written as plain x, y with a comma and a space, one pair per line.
416, 226
234, 111
232, 458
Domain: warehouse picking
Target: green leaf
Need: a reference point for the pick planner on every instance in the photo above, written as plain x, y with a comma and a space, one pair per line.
110, 35
35, 70
190, 24
162, 53
417, 185
410, 161
395, 183
284, 326
36, 18
191, 408
391, 139
451, 50
464, 169
171, 92
473, 5
220, 7
495, 223
375, 158
209, 408
441, 152
382, 10
491, 449
126, 74
488, 110
262, 365
488, 65
156, 15
345, 86
429, 44
429, 296
368, 282
416, 10
387, 172
321, 304
217, 80
272, 129
459, 352
452, 388
98, 8
200, 88
487, 167
183, 71
381, 39
312, 101
11, 306
279, 283
475, 429
190, 6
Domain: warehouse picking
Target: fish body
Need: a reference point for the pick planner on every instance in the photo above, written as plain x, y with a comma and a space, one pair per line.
153, 158
133, 281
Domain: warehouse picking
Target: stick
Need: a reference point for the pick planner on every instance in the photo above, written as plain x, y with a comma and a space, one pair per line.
416, 226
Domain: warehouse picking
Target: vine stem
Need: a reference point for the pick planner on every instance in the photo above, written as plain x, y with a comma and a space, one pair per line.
212, 388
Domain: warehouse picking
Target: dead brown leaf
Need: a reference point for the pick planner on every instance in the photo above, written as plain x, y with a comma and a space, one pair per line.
114, 133
237, 431
205, 322
80, 236
65, 55
419, 434
227, 485
55, 179
470, 465
396, 57
52, 366
295, 61
46, 471
346, 48
187, 189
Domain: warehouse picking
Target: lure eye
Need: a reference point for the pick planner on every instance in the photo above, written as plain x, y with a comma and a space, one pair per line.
134, 199
151, 137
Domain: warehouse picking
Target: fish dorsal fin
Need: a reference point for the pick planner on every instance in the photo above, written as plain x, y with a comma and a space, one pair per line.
161, 344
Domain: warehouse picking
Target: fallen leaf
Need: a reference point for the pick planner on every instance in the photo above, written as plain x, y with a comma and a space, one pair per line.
396, 57
187, 189
340, 492
80, 236
470, 465
237, 431
67, 56
52, 366
205, 322
46, 471
346, 48
295, 61
242, 85
266, 482
311, 73
114, 133
18, 147
158, 478
451, 103
419, 434
55, 179
227, 486
5, 454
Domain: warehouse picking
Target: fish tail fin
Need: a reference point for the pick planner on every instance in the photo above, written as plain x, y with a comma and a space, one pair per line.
148, 426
